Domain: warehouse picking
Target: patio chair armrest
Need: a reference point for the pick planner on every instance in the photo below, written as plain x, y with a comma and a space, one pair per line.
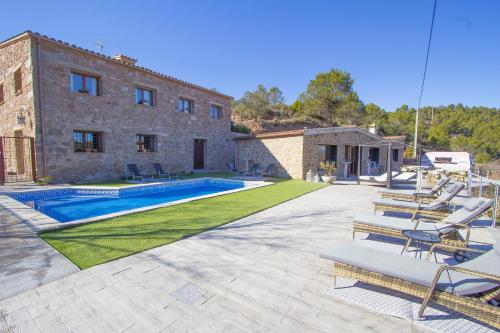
443, 269
472, 272
415, 213
427, 220
421, 194
466, 228
451, 247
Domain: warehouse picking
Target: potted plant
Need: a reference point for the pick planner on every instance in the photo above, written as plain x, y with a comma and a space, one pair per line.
330, 170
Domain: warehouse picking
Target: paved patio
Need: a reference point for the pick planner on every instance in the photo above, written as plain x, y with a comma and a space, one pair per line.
26, 261
261, 273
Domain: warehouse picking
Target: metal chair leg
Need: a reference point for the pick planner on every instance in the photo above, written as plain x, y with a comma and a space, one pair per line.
408, 242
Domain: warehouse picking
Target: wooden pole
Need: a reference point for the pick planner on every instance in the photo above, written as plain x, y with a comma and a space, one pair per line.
389, 166
2, 166
359, 164
33, 158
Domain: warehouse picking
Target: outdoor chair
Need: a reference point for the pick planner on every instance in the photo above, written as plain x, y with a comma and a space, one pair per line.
270, 171
412, 195
437, 208
249, 165
160, 173
465, 288
253, 171
133, 172
447, 229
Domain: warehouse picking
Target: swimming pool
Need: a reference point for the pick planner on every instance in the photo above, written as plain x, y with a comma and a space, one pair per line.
76, 204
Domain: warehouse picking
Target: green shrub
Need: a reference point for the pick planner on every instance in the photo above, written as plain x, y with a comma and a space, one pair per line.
482, 158
239, 128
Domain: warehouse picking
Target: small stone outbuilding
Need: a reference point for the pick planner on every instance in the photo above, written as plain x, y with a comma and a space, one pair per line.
296, 152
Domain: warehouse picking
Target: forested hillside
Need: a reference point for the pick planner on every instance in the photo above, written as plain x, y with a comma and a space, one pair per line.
330, 100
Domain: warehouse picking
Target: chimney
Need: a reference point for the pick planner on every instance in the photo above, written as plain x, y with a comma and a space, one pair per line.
373, 129
125, 59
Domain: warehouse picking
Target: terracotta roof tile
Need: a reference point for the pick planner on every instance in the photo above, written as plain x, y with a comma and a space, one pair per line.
65, 44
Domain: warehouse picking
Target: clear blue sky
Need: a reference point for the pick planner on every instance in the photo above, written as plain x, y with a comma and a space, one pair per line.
235, 45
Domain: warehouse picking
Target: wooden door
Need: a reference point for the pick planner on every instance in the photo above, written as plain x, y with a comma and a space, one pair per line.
199, 154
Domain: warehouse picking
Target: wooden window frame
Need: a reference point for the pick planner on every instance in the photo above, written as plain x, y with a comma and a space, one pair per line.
378, 154
84, 83
2, 96
142, 90
219, 113
395, 153
18, 81
141, 143
88, 147
185, 99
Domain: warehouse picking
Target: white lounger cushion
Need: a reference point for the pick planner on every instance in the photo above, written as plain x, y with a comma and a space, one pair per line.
472, 209
405, 192
407, 204
395, 223
449, 192
405, 176
439, 185
381, 178
415, 270
462, 215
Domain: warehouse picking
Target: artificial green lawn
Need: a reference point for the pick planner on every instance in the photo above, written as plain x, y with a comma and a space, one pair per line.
95, 243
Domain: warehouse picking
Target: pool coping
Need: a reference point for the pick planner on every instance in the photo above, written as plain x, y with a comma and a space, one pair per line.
39, 222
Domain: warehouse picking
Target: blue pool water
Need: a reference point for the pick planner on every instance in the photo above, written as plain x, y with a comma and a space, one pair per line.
70, 205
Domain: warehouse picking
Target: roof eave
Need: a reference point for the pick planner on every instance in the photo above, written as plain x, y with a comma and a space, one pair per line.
30, 34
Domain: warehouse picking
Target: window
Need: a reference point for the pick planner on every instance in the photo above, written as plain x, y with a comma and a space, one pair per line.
327, 153
215, 111
1, 93
18, 81
87, 142
84, 84
145, 143
395, 155
185, 105
373, 155
144, 96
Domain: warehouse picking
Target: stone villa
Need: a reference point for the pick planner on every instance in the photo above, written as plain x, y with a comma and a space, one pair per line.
77, 115
90, 114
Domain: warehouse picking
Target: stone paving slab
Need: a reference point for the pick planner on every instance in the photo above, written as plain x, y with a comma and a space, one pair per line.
259, 274
26, 261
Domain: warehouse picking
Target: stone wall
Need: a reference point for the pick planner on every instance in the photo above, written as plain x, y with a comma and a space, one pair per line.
285, 152
296, 155
341, 138
16, 55
115, 114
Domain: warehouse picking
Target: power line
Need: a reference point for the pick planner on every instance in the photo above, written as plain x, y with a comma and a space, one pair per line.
423, 80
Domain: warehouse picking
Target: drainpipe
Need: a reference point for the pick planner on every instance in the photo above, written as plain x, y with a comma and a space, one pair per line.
41, 105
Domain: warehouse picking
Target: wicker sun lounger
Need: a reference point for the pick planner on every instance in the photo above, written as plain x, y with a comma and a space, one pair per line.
447, 228
413, 195
465, 288
437, 208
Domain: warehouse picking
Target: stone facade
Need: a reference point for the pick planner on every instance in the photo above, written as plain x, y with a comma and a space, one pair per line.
285, 152
17, 56
297, 152
114, 113
342, 137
